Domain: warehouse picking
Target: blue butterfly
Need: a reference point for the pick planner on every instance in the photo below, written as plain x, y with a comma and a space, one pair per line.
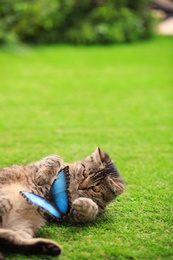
58, 204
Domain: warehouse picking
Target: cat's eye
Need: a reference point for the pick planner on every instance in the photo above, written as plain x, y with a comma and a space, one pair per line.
95, 189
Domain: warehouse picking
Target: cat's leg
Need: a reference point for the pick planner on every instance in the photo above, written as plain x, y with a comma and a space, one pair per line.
83, 210
1, 256
47, 169
19, 222
21, 242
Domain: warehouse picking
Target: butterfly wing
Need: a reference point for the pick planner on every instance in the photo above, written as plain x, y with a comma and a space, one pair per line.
41, 202
61, 202
59, 191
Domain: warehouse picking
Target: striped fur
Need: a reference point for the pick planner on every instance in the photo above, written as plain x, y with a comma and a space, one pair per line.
94, 183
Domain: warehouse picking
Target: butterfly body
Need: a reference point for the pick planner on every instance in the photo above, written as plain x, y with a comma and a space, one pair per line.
58, 203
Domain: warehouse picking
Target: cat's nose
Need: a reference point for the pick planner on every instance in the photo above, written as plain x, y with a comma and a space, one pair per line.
85, 184
82, 186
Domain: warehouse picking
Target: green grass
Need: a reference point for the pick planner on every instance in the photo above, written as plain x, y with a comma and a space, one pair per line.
68, 100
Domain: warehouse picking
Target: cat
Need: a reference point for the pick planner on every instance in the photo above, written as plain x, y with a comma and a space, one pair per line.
94, 183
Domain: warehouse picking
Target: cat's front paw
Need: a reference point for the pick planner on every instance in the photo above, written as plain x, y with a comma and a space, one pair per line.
85, 208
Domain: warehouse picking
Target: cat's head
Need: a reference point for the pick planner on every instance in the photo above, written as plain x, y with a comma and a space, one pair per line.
99, 179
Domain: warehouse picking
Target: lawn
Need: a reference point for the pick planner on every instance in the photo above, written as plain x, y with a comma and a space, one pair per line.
69, 100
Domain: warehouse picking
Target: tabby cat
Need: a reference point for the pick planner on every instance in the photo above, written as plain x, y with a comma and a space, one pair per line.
94, 183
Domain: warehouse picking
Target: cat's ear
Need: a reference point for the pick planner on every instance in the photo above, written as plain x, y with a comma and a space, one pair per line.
101, 156
116, 185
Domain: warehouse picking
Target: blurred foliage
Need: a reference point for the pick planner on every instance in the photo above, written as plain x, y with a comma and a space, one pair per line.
74, 21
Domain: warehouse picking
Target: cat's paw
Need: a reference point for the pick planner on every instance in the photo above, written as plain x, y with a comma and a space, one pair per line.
35, 246
41, 178
44, 247
85, 208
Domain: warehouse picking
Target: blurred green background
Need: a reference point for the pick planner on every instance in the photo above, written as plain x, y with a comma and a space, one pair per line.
74, 21
68, 99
